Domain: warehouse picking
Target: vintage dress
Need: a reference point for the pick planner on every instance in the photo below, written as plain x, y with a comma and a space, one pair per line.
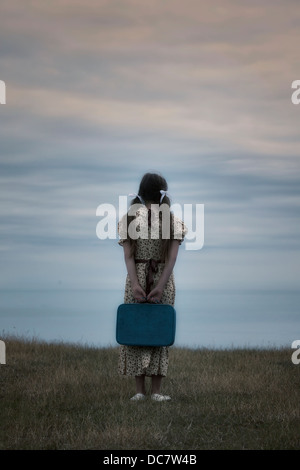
139, 360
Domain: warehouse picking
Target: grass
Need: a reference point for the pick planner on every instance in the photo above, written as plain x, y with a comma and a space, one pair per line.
64, 396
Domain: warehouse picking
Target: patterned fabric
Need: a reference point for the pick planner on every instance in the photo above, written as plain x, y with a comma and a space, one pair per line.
139, 360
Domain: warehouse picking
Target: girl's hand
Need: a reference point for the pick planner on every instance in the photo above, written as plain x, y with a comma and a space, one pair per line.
155, 295
138, 293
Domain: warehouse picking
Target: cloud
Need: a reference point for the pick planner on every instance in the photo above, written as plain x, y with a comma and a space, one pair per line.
100, 92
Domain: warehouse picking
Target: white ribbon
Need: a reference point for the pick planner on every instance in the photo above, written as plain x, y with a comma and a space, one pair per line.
136, 195
163, 194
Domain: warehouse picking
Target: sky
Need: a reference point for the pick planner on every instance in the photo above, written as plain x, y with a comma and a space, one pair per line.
100, 92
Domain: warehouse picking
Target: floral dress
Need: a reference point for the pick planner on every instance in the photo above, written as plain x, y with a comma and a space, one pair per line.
140, 360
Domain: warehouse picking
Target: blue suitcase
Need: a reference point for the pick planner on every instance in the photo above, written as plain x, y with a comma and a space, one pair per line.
146, 324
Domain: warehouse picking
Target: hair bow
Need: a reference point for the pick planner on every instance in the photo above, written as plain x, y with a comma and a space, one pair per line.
136, 195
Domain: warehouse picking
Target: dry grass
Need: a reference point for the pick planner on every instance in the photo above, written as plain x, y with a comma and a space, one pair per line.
60, 396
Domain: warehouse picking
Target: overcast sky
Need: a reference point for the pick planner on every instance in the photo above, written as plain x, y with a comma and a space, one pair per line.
99, 92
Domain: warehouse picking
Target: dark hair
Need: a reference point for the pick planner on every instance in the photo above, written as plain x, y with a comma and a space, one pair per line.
149, 192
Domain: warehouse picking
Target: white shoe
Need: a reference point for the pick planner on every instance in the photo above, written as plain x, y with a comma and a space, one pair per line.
159, 397
138, 396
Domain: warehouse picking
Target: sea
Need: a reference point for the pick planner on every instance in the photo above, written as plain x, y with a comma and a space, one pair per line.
217, 319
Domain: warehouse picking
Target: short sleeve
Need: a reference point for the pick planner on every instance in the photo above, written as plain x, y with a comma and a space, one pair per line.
179, 230
122, 230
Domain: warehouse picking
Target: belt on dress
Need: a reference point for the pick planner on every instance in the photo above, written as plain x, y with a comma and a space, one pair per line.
150, 268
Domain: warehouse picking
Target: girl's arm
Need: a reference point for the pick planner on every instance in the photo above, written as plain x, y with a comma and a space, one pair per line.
157, 291
137, 290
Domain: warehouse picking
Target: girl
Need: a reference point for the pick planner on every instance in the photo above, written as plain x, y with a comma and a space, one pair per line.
149, 262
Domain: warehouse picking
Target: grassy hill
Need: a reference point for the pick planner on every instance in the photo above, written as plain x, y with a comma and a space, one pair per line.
64, 396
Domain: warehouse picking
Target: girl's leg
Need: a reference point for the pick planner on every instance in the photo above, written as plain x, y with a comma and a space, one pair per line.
156, 383
155, 393
140, 384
